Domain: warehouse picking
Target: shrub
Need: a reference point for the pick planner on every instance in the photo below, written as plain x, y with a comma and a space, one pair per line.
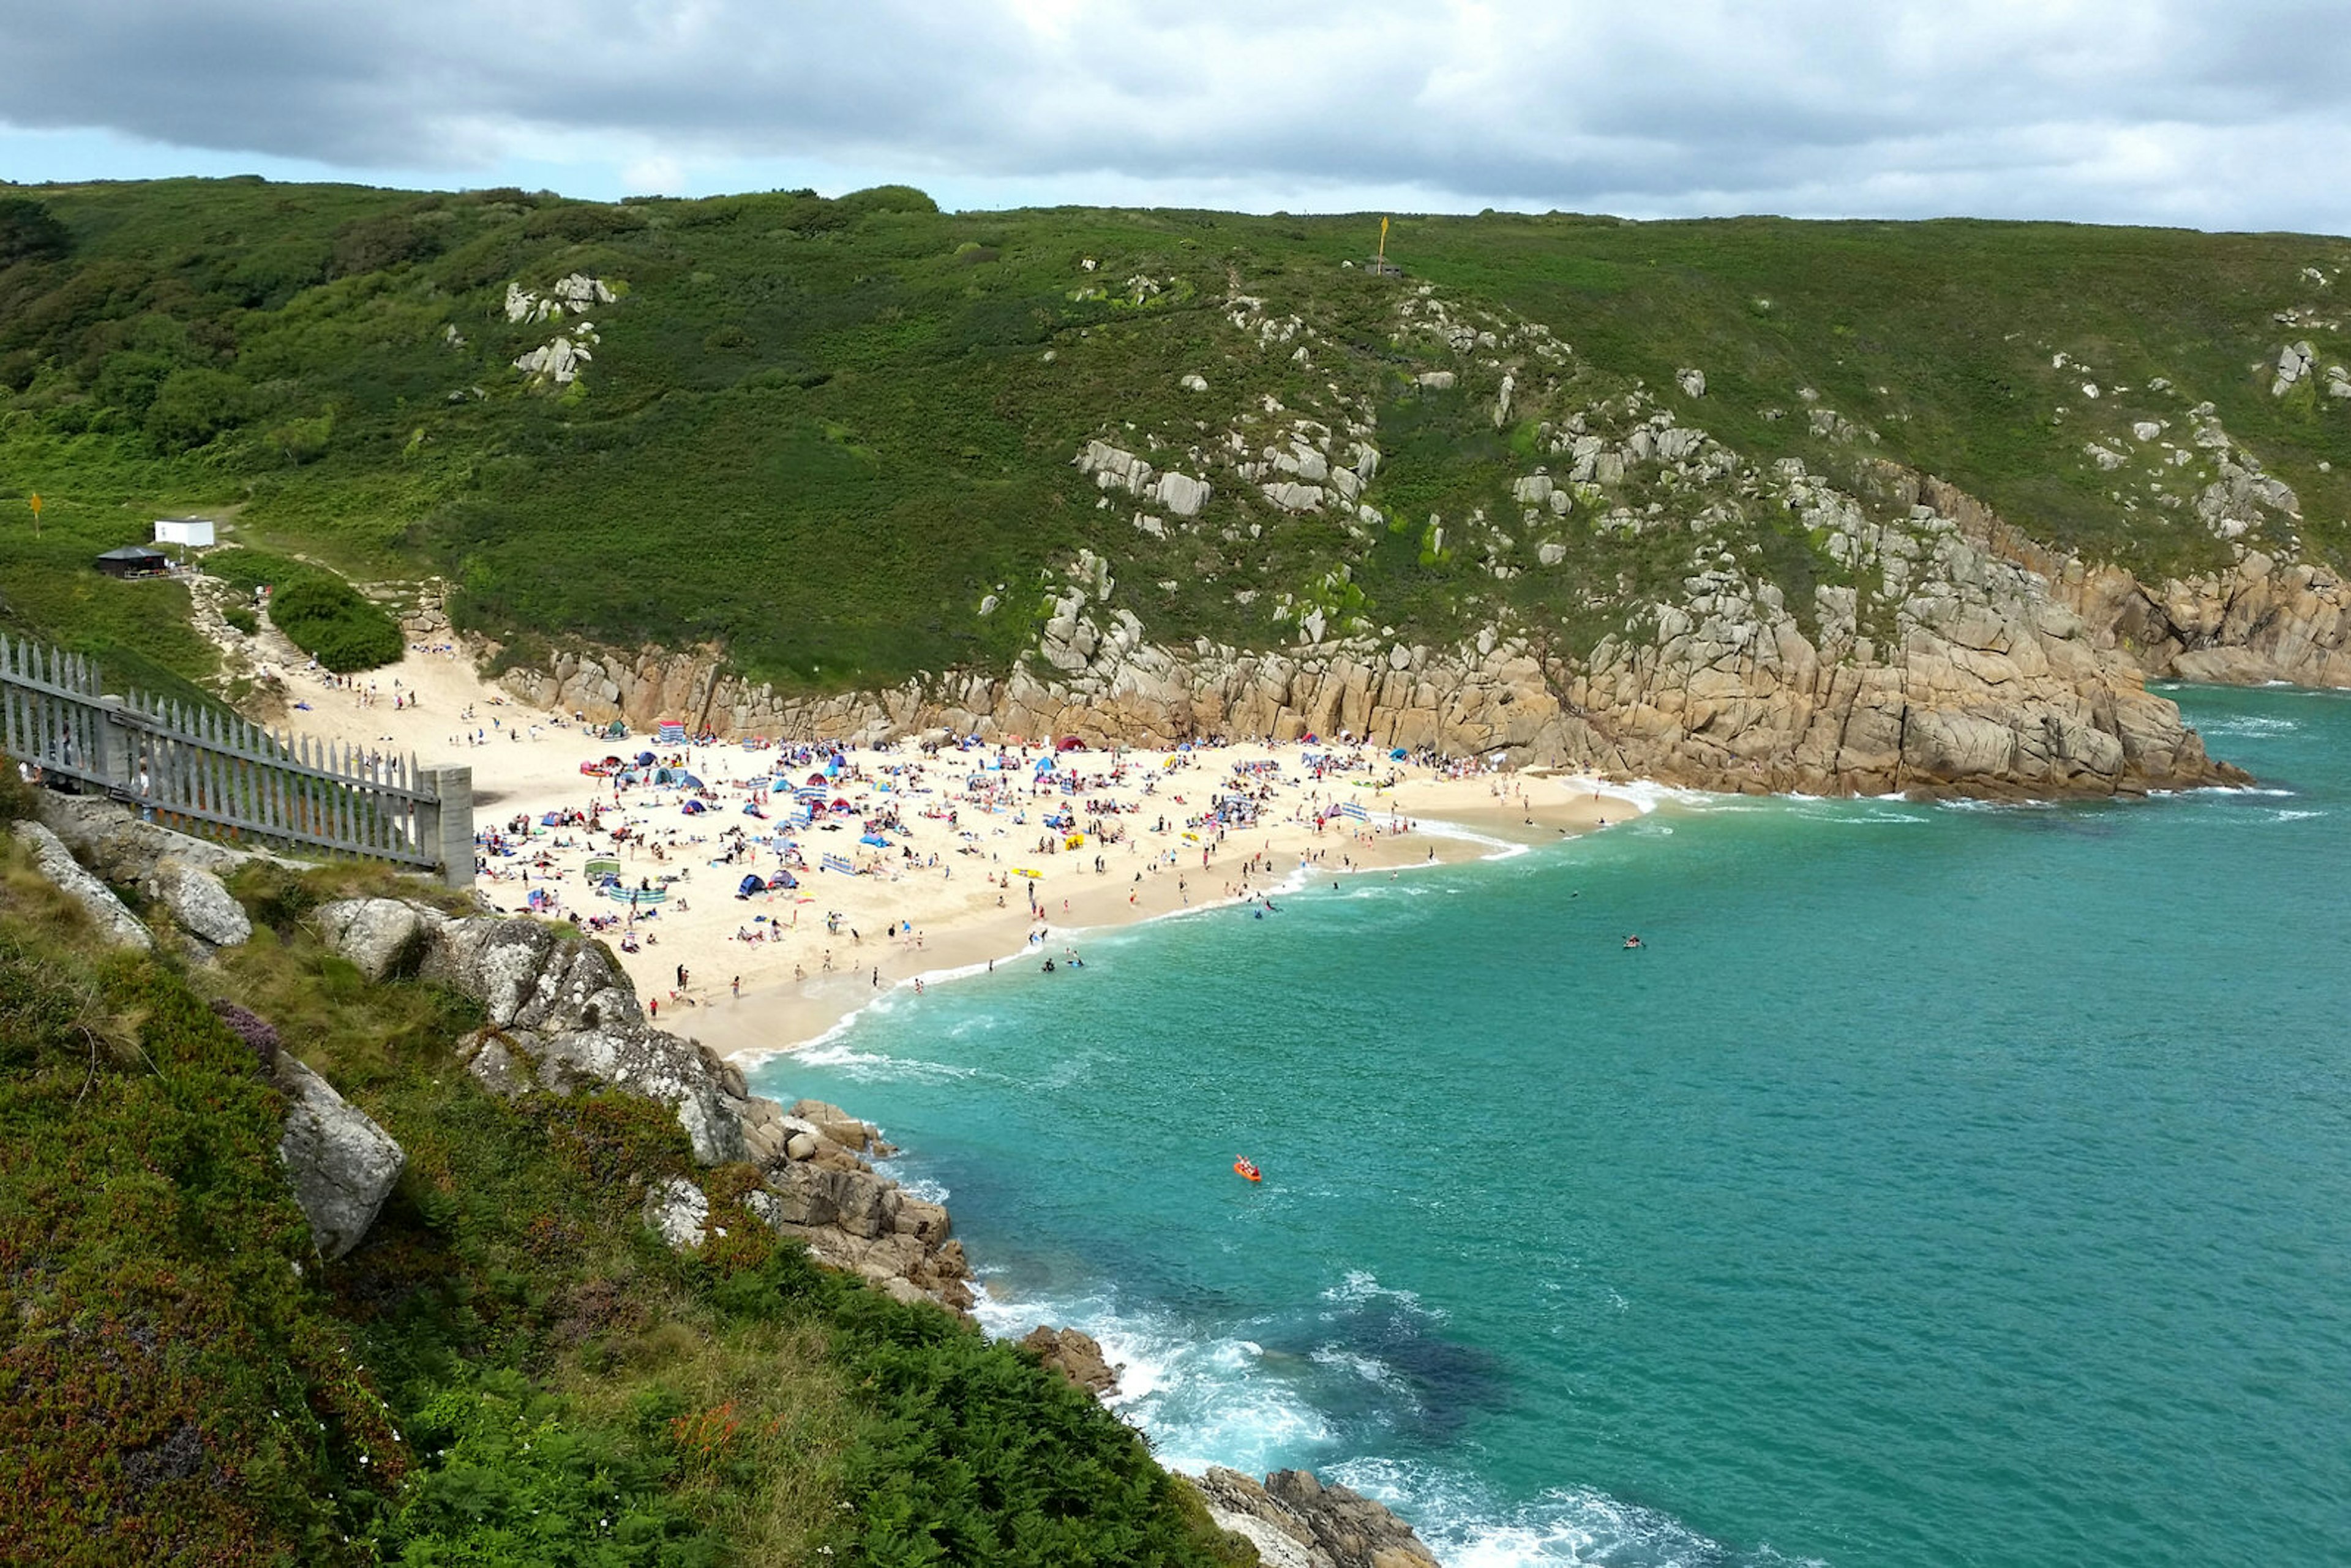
371, 245
193, 405
30, 232
331, 622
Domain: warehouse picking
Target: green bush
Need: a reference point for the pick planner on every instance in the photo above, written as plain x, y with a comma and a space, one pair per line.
507, 1482
30, 232
241, 619
335, 625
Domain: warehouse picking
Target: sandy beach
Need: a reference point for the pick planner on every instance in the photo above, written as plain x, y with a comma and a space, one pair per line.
985, 853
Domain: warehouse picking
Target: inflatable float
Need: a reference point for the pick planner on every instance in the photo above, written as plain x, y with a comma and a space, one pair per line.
1246, 1168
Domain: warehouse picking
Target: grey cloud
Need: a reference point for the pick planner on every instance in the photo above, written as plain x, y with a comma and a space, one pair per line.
2096, 110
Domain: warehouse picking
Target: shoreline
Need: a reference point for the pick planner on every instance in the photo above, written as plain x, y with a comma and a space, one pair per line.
757, 976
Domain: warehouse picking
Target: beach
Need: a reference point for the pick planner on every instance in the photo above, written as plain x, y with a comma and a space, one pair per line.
965, 857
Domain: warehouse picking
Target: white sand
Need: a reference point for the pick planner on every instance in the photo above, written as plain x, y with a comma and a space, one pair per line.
950, 890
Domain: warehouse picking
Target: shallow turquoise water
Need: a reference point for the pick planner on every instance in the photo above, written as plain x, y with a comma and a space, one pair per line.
1940, 1185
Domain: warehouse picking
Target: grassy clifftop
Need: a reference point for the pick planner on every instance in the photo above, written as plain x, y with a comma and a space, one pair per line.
839, 435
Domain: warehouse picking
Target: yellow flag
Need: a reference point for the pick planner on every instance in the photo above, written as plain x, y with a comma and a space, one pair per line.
1383, 228
35, 502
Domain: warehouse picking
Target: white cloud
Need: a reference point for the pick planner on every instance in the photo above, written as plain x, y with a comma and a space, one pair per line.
2165, 110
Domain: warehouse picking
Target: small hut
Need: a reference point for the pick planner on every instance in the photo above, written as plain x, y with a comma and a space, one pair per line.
134, 560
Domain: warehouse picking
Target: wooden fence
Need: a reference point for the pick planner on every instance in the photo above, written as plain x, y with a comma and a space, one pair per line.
200, 770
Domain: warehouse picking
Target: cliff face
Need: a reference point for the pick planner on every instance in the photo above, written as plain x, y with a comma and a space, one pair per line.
1972, 663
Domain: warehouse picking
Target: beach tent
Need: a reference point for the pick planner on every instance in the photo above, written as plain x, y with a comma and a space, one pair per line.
749, 885
783, 879
1069, 743
693, 808
616, 730
1044, 765
646, 759
550, 819
1397, 754
876, 840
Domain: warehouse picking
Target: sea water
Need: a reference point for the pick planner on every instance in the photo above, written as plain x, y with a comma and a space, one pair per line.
1937, 1184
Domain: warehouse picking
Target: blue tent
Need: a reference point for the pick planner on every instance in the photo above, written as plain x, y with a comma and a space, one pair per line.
693, 808
749, 885
646, 759
874, 838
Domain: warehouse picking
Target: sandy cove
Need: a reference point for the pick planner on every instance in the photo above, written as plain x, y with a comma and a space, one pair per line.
946, 896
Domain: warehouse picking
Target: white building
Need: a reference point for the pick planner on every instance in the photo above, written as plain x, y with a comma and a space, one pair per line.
190, 533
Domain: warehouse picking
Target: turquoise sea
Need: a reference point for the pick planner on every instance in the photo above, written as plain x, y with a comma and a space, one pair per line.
1940, 1185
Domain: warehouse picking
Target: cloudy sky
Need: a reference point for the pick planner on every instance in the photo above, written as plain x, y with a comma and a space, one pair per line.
2213, 113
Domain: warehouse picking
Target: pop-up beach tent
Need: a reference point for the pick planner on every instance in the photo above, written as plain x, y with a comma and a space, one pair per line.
749, 885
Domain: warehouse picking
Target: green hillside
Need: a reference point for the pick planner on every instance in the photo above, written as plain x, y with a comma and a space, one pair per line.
830, 433
514, 1370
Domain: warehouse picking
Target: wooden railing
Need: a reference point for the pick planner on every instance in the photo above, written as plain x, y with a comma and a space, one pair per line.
204, 771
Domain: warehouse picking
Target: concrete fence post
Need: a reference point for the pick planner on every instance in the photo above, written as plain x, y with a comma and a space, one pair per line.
114, 761
444, 823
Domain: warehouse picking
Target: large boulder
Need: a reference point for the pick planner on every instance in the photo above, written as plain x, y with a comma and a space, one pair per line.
203, 905
116, 925
340, 1164
375, 934
1076, 1355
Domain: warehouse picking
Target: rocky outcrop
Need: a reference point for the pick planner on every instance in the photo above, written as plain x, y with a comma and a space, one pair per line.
182, 875
1296, 1521
562, 1016
678, 1212
566, 1004
1976, 678
1076, 1355
116, 925
340, 1165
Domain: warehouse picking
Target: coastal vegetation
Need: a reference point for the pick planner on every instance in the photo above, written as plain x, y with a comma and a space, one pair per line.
513, 1369
836, 437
